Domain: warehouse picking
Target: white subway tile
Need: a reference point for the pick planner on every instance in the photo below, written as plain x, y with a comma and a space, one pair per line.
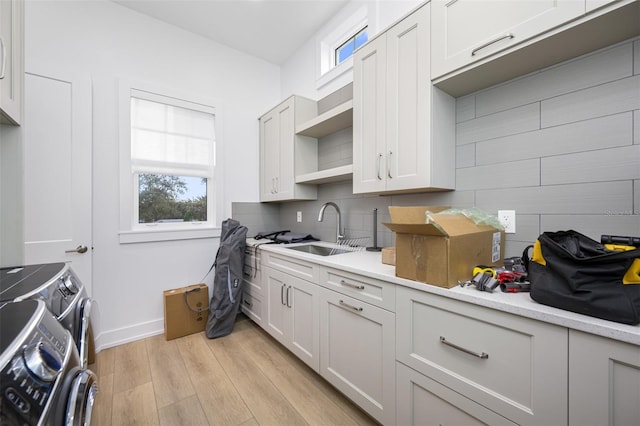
510, 122
506, 175
587, 71
466, 155
593, 226
603, 132
636, 57
465, 108
592, 166
611, 98
589, 198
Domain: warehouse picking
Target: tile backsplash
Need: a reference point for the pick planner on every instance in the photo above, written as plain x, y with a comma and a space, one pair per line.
560, 146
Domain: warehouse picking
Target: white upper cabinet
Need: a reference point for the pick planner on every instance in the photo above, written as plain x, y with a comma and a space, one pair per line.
11, 61
403, 127
466, 31
283, 153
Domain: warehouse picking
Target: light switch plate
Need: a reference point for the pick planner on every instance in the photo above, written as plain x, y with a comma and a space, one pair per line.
299, 217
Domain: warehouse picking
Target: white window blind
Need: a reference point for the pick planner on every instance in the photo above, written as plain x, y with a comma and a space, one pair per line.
171, 139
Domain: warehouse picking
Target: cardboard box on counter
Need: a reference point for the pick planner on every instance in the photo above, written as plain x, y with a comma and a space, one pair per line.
389, 255
445, 250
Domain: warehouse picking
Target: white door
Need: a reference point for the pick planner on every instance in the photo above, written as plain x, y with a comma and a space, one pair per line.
57, 170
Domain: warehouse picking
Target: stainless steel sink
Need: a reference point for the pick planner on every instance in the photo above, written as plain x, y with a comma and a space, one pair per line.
319, 250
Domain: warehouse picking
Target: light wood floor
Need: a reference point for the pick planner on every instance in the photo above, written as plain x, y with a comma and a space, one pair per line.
245, 378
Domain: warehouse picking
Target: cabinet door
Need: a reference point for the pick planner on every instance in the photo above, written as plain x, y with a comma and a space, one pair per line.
293, 314
465, 31
277, 311
358, 357
369, 117
285, 179
11, 61
423, 401
408, 102
302, 301
604, 381
269, 155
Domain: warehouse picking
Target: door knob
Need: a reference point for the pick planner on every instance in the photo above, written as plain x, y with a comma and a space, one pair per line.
79, 249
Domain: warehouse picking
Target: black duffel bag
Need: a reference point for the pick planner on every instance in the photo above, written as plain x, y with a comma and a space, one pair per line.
571, 271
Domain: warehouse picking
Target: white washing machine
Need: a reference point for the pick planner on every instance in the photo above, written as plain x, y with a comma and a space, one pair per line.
64, 295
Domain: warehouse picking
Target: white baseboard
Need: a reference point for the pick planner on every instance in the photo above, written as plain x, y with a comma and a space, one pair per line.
111, 338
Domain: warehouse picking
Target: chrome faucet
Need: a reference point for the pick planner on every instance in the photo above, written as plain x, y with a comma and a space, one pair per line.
339, 234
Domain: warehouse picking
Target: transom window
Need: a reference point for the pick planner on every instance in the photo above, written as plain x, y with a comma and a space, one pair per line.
346, 49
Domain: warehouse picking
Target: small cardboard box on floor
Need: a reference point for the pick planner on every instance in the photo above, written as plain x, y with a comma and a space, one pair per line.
445, 250
186, 310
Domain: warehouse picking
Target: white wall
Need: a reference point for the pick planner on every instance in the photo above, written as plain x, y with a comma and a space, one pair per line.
107, 42
301, 72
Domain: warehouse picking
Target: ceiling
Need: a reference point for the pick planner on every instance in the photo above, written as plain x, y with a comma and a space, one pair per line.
268, 29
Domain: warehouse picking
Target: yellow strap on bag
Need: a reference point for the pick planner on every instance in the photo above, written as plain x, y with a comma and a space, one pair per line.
536, 256
632, 276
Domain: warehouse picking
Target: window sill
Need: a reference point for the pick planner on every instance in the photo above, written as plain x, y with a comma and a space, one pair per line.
334, 73
167, 234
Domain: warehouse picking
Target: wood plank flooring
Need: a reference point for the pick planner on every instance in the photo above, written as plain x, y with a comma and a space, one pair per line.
246, 378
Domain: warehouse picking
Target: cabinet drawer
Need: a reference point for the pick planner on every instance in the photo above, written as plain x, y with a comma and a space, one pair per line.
514, 366
251, 271
252, 306
375, 292
297, 268
423, 401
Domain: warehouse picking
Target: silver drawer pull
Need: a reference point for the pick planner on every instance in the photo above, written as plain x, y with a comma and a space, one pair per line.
489, 43
249, 304
346, 305
348, 284
481, 355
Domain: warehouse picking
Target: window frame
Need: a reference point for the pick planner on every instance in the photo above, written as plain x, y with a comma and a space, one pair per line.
329, 41
130, 230
352, 39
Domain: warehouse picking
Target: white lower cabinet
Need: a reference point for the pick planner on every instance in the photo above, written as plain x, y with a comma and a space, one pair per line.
604, 381
513, 366
357, 355
423, 401
292, 314
253, 293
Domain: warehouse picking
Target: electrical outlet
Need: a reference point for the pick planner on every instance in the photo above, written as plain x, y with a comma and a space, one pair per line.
507, 219
299, 217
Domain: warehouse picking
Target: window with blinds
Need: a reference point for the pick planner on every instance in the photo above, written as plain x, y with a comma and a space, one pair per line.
172, 160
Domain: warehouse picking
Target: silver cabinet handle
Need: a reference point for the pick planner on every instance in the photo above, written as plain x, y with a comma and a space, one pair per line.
282, 293
246, 302
80, 249
357, 309
481, 355
288, 299
379, 161
489, 43
277, 185
389, 165
3, 67
348, 284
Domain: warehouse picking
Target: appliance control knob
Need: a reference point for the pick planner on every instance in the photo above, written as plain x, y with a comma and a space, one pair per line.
42, 361
66, 286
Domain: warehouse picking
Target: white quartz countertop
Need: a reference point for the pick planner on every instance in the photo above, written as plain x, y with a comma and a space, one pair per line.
370, 264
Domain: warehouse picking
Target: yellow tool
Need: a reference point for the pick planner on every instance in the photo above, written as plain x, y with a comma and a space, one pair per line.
619, 247
482, 269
